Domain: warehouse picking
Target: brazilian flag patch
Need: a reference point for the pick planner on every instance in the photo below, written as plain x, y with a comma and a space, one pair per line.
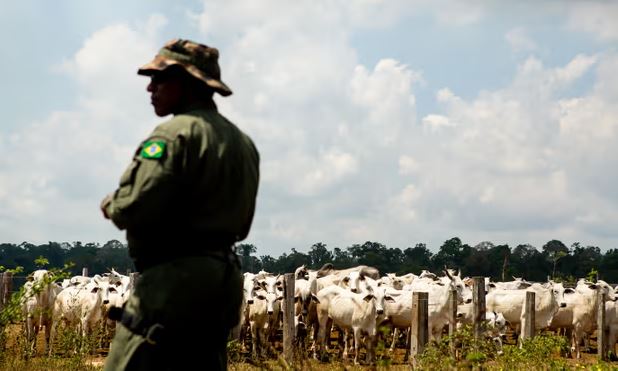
153, 149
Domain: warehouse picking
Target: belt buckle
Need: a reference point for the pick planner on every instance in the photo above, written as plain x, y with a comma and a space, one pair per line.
154, 334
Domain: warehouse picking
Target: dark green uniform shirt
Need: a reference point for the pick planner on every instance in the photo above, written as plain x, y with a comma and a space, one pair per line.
191, 187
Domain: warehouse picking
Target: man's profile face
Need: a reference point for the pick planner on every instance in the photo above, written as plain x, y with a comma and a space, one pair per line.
166, 91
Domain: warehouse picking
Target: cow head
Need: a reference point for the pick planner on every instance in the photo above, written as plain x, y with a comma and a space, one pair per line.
378, 294
356, 281
301, 273
272, 301
558, 292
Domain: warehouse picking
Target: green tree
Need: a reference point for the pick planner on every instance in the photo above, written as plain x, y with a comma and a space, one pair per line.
269, 264
289, 262
248, 262
478, 262
555, 250
83, 256
499, 258
319, 255
114, 254
609, 266
377, 255
584, 260
415, 259
342, 259
452, 254
529, 263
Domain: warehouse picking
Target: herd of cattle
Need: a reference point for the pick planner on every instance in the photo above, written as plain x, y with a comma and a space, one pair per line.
79, 302
357, 301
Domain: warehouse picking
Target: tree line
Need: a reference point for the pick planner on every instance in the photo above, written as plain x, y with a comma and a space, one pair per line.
500, 262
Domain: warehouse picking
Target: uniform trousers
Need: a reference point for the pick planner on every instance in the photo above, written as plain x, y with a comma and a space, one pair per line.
191, 303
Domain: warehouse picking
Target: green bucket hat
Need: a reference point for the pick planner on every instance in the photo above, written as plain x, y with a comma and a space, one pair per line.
199, 60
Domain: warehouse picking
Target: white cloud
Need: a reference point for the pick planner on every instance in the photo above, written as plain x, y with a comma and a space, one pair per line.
62, 166
459, 13
436, 122
595, 17
408, 165
522, 157
401, 207
344, 156
519, 40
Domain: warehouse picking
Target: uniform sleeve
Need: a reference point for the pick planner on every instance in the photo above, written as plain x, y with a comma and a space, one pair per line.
147, 186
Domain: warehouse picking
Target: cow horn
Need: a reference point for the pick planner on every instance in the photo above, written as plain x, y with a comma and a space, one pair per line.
448, 274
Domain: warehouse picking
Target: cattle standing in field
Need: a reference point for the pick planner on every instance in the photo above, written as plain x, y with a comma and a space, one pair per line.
39, 295
350, 312
548, 299
518, 283
263, 315
248, 288
611, 317
81, 306
399, 313
579, 317
495, 323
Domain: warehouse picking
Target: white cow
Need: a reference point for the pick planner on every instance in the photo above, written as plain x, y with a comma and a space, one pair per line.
122, 282
393, 281
548, 298
400, 312
611, 318
579, 317
81, 306
518, 283
248, 288
367, 271
79, 281
272, 284
351, 312
355, 281
305, 287
37, 302
263, 316
495, 327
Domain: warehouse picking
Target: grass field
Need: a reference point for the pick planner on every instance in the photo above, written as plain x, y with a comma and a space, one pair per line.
547, 353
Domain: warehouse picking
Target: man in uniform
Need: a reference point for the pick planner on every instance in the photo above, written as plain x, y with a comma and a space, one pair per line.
185, 199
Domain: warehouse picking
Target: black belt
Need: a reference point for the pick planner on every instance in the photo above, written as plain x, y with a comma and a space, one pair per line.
155, 332
224, 254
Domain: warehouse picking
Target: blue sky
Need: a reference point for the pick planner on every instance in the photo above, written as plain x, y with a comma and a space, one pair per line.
399, 122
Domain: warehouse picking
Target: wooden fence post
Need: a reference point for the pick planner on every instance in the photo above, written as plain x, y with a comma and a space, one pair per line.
602, 335
478, 306
133, 279
289, 329
85, 271
7, 288
419, 330
452, 313
1, 291
528, 327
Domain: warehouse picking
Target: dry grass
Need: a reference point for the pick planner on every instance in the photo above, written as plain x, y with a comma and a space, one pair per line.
14, 358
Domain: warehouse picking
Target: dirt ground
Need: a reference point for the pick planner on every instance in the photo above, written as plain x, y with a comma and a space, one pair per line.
241, 360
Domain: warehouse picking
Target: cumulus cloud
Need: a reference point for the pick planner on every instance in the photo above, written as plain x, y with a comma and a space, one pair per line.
62, 166
525, 157
345, 157
519, 40
595, 17
327, 126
